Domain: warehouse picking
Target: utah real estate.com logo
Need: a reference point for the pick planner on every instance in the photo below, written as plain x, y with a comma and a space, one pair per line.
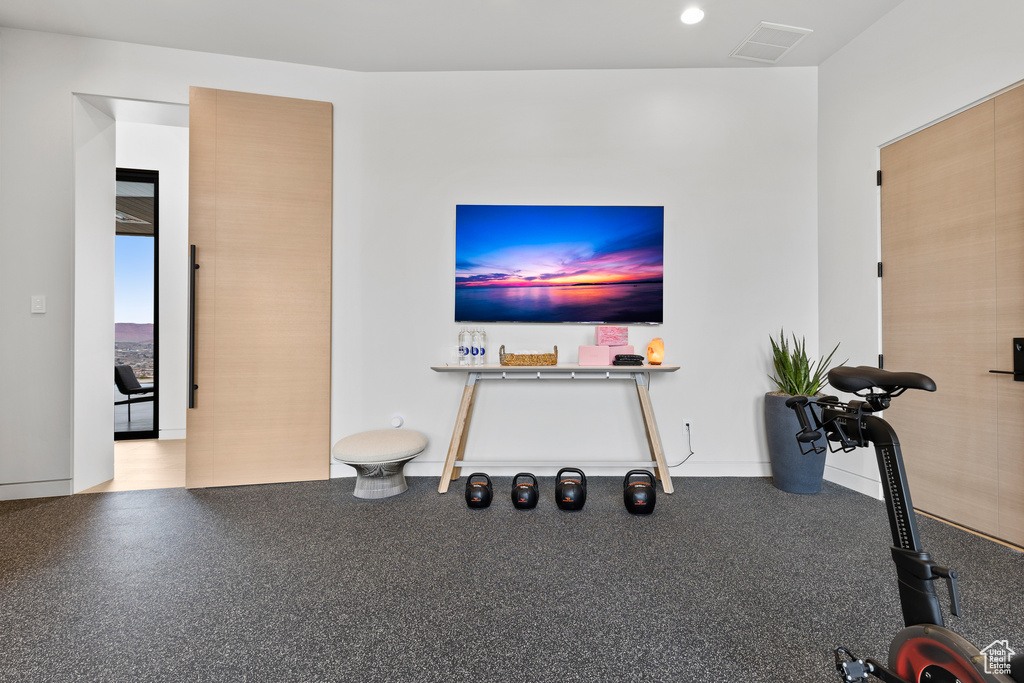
997, 657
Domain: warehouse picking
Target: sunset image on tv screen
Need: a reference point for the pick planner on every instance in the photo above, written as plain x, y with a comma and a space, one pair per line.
582, 264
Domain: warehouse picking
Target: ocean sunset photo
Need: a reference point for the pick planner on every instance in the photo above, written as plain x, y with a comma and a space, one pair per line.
578, 264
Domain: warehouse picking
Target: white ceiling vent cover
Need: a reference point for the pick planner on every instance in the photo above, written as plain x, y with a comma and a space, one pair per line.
769, 42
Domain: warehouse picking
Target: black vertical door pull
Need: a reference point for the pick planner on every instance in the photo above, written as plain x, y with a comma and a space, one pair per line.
192, 268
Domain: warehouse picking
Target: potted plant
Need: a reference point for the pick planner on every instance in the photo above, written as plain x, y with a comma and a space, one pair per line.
795, 375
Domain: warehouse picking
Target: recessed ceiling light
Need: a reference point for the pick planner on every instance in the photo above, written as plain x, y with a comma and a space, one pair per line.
692, 16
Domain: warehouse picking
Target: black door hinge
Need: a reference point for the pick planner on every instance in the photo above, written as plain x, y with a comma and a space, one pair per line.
878, 177
879, 269
881, 362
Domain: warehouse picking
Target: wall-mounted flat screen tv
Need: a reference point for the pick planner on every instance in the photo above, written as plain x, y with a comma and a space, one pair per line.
559, 264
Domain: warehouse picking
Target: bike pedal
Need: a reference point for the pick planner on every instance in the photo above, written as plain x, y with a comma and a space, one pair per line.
852, 668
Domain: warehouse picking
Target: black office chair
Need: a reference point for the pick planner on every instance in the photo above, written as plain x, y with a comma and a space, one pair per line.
128, 384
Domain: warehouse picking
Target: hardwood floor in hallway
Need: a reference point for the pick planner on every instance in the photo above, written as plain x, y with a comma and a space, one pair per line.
146, 464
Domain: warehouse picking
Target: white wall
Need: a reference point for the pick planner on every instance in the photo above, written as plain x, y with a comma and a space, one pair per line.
92, 456
731, 156
729, 153
165, 149
924, 60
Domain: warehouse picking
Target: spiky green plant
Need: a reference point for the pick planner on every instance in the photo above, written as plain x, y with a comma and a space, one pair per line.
794, 373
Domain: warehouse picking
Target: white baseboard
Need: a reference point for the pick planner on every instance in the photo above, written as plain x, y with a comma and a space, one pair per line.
721, 469
35, 489
172, 433
856, 482
340, 470
687, 469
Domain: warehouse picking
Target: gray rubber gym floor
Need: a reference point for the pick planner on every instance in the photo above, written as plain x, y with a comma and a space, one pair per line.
728, 580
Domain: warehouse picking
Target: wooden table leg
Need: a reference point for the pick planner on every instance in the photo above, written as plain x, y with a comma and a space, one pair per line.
651, 427
457, 447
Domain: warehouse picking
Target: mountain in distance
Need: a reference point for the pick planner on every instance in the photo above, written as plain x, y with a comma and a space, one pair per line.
133, 332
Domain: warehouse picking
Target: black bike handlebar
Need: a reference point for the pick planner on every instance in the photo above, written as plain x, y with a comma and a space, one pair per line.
807, 433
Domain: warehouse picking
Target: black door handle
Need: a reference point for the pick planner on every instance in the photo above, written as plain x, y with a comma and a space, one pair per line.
192, 268
1018, 361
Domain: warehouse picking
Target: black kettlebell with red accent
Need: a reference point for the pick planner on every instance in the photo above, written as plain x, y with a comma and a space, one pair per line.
639, 496
570, 492
525, 493
478, 493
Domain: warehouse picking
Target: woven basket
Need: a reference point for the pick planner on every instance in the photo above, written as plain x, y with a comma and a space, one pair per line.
527, 358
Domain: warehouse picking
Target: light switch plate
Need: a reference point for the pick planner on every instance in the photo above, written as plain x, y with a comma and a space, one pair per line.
38, 304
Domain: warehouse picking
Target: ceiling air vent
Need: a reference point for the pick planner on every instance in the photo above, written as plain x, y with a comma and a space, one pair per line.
769, 42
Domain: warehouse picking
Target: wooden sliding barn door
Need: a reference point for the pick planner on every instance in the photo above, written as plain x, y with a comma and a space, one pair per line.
952, 300
260, 206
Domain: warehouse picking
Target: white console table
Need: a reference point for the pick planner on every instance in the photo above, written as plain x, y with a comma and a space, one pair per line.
640, 374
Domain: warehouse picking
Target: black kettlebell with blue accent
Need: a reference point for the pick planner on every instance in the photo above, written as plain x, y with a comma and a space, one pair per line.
570, 492
478, 493
525, 493
639, 496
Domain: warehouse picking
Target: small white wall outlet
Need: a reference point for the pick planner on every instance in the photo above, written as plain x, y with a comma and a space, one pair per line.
38, 303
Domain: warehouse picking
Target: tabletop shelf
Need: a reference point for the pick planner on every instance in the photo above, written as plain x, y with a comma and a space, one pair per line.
555, 368
639, 374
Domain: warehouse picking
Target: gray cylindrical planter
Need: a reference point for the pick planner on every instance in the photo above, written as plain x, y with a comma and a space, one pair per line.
791, 470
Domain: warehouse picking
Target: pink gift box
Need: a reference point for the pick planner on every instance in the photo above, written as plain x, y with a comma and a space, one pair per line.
595, 355
612, 335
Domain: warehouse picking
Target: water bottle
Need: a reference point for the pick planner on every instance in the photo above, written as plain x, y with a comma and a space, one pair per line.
464, 343
483, 347
475, 332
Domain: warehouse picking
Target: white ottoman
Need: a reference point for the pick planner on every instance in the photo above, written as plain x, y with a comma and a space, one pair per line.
379, 457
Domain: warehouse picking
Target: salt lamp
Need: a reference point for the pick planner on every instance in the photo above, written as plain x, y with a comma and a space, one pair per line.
656, 351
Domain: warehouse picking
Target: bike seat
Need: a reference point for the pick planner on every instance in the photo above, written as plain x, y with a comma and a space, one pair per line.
864, 377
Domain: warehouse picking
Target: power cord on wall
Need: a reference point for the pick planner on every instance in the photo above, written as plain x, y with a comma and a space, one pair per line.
689, 446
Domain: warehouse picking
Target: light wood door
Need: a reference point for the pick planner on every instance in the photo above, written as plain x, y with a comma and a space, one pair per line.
951, 303
260, 207
1009, 162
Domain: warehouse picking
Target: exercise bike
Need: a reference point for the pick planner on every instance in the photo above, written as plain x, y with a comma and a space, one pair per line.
925, 651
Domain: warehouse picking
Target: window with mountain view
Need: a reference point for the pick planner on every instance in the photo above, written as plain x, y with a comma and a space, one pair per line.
135, 303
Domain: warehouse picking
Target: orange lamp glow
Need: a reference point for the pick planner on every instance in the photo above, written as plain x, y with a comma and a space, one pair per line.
656, 351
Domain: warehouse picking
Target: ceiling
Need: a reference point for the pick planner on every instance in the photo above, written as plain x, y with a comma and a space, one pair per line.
457, 35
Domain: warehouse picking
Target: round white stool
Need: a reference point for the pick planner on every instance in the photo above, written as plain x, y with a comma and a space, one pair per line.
379, 457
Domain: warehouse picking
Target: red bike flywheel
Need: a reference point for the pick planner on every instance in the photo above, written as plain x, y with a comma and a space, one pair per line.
932, 654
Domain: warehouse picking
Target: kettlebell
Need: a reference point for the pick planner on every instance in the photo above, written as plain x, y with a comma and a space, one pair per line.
525, 493
570, 493
639, 496
478, 493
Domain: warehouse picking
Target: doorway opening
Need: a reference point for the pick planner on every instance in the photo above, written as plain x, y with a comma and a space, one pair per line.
136, 305
112, 133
